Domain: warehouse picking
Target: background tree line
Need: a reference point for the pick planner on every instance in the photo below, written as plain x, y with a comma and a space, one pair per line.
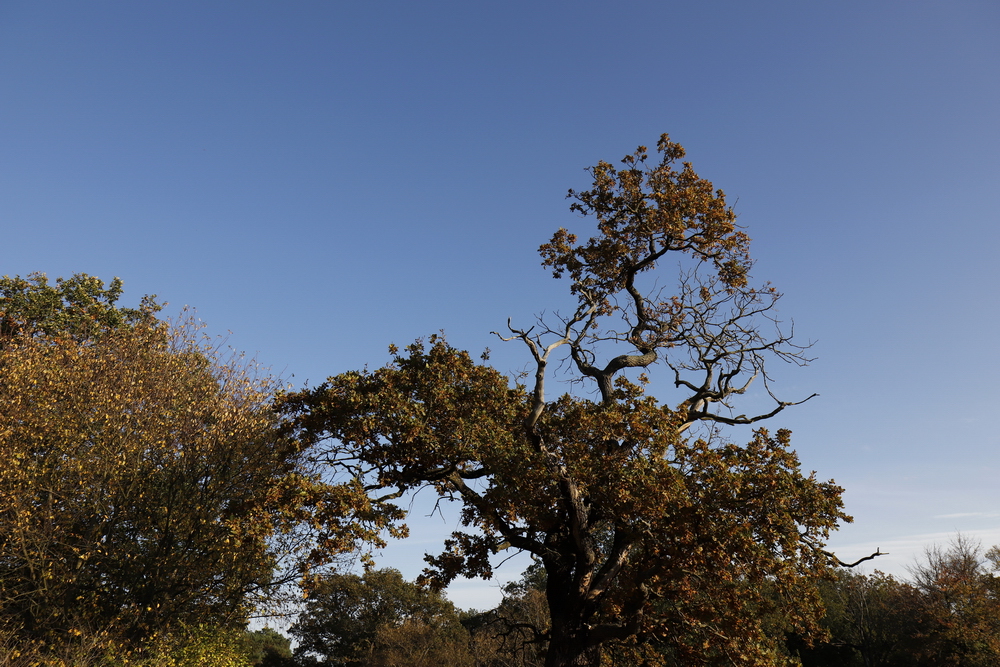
946, 613
161, 492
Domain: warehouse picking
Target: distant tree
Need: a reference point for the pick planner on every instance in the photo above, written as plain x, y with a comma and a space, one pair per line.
422, 642
269, 648
959, 613
646, 527
378, 619
872, 621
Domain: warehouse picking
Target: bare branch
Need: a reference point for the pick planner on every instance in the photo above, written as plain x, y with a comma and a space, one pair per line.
878, 552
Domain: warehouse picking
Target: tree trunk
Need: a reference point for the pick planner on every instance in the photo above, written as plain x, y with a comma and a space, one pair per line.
569, 638
568, 653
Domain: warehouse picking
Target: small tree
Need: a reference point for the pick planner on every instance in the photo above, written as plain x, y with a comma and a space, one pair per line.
645, 527
378, 619
959, 610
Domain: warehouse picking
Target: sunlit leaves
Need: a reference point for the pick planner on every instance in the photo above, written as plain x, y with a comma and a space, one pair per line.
644, 212
80, 307
148, 483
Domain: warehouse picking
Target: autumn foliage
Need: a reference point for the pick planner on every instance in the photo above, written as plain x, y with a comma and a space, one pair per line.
146, 483
148, 486
645, 531
159, 490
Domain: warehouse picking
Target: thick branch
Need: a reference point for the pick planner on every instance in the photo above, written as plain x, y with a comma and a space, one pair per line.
878, 552
509, 532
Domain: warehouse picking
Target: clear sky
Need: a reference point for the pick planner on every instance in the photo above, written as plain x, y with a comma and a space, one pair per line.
325, 178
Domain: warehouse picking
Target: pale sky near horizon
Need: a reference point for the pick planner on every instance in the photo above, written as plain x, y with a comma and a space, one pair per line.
322, 179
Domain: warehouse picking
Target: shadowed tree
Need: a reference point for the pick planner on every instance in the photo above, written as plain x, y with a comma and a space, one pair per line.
872, 621
378, 619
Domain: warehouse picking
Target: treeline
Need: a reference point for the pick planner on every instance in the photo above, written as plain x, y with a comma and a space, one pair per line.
946, 613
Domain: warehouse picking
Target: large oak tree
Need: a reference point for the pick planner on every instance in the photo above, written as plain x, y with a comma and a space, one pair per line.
650, 524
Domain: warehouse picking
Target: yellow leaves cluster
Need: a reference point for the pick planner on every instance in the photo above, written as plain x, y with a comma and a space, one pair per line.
643, 212
149, 480
184, 646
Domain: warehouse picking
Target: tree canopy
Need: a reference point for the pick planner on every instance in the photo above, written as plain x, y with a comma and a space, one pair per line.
148, 484
378, 619
159, 490
81, 307
645, 526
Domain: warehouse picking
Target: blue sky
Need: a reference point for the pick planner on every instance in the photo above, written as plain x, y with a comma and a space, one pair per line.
325, 178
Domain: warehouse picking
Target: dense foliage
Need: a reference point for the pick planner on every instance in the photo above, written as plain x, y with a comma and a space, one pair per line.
81, 307
148, 485
379, 619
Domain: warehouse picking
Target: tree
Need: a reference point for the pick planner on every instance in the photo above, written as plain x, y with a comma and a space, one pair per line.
646, 527
269, 648
417, 642
872, 622
80, 307
959, 611
147, 485
378, 619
